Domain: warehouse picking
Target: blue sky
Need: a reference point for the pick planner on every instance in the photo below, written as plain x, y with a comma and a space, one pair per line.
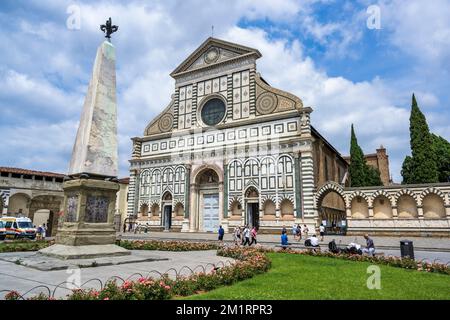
322, 51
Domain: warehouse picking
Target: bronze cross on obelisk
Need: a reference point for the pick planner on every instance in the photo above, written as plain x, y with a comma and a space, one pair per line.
109, 29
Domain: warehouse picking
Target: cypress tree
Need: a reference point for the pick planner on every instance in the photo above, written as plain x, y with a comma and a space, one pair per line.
407, 170
357, 162
361, 174
373, 176
423, 162
442, 149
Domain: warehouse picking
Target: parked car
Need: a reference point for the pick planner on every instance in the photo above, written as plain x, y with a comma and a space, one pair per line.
2, 230
17, 228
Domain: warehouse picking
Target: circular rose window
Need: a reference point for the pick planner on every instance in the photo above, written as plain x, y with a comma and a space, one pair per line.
213, 111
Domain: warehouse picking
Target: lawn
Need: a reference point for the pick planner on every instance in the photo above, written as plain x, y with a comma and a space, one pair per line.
23, 245
307, 277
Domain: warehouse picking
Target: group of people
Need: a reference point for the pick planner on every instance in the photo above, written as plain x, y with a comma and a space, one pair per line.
298, 230
242, 235
41, 232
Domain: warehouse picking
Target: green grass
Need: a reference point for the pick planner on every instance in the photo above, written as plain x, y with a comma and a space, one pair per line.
23, 245
307, 277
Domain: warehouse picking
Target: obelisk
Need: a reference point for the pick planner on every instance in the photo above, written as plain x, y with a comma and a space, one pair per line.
91, 188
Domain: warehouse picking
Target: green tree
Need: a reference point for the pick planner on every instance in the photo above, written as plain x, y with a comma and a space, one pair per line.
407, 170
423, 162
442, 150
373, 177
361, 174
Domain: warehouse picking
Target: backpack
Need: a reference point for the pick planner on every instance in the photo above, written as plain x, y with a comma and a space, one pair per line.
332, 247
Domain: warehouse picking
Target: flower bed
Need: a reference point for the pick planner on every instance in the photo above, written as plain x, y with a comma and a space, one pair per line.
250, 262
24, 245
167, 245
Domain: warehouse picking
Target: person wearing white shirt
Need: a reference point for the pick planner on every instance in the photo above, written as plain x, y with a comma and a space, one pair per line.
314, 241
247, 235
322, 231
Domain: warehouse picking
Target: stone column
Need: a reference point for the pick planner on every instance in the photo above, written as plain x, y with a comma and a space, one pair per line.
187, 197
307, 183
348, 212
225, 190
447, 211
193, 215
298, 187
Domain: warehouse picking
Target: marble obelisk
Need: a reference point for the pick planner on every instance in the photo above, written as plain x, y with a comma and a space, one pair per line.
95, 148
90, 193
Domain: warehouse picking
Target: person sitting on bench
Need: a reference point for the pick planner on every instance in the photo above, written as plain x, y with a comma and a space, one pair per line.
370, 247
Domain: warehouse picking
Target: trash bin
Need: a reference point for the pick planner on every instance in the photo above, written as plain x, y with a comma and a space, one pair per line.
406, 249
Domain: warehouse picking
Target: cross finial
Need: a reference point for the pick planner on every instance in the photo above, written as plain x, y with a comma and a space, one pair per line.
108, 28
212, 31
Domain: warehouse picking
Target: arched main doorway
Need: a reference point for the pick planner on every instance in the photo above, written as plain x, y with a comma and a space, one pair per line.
208, 206
252, 203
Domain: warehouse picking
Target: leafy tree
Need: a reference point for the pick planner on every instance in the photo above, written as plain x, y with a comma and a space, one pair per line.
361, 174
442, 150
423, 162
373, 176
407, 170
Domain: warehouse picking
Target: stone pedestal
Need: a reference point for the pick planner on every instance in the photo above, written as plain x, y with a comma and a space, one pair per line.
88, 227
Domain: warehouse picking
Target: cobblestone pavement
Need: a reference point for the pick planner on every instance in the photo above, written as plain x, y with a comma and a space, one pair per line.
20, 278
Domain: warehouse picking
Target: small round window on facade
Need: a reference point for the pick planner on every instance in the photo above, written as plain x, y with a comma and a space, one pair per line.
213, 112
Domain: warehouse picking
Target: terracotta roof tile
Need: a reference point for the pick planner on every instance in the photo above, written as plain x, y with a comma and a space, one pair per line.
31, 172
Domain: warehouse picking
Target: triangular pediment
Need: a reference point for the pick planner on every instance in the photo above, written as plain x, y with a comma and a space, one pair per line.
212, 52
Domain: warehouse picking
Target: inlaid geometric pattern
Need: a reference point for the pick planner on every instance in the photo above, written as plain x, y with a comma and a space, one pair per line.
185, 107
241, 95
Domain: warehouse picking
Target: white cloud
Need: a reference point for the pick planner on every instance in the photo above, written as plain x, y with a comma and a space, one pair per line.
419, 29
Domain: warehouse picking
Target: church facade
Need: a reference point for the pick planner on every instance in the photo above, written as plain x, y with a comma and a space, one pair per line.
229, 149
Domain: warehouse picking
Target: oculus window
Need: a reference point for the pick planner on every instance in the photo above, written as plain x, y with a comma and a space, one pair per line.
213, 111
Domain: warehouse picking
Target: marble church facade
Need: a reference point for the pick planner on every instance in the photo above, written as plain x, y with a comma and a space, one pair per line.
229, 149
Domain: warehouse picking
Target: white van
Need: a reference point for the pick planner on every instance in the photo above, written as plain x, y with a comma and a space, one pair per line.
17, 228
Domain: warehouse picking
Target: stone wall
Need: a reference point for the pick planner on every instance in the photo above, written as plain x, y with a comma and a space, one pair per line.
421, 210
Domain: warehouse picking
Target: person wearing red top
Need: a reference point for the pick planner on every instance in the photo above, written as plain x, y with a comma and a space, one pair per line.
253, 235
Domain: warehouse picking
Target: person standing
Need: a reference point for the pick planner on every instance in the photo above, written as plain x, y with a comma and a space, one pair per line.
44, 231
237, 235
284, 240
124, 227
246, 235
253, 234
294, 230
299, 232
221, 233
39, 232
305, 230
321, 231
